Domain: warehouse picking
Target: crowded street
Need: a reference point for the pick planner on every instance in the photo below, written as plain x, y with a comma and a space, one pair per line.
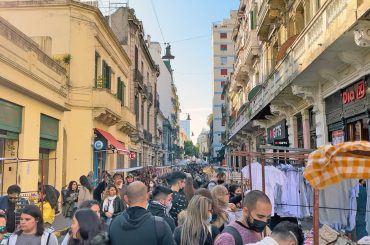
197, 122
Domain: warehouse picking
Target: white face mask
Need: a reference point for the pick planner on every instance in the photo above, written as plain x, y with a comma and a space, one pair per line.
151, 185
209, 220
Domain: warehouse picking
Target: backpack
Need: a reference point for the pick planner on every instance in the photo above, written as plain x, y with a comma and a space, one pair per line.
159, 229
235, 233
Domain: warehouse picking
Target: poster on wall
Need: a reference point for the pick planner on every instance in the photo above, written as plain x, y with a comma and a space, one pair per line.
337, 137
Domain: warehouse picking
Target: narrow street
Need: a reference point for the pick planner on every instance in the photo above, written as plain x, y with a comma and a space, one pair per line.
185, 122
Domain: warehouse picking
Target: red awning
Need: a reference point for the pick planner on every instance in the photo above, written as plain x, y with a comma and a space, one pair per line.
119, 146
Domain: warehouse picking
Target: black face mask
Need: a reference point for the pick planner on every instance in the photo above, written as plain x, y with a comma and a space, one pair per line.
256, 225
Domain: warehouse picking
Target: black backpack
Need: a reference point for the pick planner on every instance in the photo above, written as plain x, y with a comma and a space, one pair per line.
235, 233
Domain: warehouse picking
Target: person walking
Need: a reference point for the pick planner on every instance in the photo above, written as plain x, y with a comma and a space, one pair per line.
161, 204
179, 202
197, 229
32, 229
112, 205
86, 191
70, 201
136, 225
256, 213
48, 203
86, 229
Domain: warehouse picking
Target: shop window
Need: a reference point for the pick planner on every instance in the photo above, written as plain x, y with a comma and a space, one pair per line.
224, 72
120, 161
44, 166
300, 130
223, 35
223, 47
357, 131
313, 137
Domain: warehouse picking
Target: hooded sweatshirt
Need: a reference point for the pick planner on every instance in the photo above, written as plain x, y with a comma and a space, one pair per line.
138, 226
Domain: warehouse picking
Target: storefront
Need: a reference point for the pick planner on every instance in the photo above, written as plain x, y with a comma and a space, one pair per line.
10, 128
348, 113
277, 135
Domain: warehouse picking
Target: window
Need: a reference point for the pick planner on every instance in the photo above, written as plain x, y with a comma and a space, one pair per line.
223, 122
222, 97
106, 75
313, 137
223, 60
224, 72
137, 113
252, 19
148, 119
120, 161
222, 84
223, 35
97, 68
121, 90
142, 113
223, 47
300, 130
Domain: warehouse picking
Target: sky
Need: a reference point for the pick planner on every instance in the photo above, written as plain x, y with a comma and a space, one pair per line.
179, 20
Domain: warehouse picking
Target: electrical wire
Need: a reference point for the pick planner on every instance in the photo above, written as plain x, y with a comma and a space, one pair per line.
156, 16
191, 38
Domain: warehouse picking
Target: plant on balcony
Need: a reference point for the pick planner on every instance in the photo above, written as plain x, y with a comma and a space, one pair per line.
67, 59
99, 81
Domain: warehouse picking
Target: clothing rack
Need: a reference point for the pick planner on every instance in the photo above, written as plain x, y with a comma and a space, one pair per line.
295, 156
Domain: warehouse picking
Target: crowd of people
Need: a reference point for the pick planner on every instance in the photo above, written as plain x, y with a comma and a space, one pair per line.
180, 207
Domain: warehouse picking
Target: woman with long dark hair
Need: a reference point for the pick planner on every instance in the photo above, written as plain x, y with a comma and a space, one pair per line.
49, 201
32, 229
86, 229
197, 229
86, 192
70, 200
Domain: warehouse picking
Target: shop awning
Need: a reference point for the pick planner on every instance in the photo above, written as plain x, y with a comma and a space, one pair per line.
119, 170
331, 164
119, 146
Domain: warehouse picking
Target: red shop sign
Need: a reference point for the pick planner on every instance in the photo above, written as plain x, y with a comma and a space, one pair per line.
354, 93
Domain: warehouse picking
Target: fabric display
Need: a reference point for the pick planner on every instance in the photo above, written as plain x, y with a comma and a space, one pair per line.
289, 193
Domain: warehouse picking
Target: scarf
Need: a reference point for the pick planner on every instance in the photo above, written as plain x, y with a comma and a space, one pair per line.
108, 204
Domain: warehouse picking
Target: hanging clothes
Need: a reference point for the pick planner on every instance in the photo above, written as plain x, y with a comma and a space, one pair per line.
361, 213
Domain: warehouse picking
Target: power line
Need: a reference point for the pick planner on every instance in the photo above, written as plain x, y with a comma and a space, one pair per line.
156, 16
191, 38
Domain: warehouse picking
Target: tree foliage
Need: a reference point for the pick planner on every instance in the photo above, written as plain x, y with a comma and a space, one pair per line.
191, 149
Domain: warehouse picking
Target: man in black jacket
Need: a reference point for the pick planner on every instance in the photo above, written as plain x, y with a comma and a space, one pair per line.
179, 202
136, 225
161, 204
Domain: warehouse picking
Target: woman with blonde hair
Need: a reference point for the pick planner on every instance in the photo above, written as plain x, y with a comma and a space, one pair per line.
196, 229
225, 215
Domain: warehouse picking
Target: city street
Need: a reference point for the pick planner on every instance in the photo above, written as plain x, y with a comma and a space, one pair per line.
185, 122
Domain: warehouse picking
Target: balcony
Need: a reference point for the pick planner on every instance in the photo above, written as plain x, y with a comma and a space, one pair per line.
106, 107
148, 137
267, 17
139, 79
128, 123
328, 28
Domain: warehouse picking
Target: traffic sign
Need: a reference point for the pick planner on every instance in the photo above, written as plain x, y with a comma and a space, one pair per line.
132, 155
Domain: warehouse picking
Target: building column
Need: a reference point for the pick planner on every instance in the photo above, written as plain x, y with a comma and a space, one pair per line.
321, 127
306, 128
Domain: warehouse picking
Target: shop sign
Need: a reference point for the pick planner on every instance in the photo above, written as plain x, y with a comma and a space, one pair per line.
354, 93
284, 143
98, 145
277, 132
337, 137
132, 155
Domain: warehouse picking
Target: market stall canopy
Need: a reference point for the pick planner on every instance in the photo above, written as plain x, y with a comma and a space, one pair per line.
331, 164
125, 169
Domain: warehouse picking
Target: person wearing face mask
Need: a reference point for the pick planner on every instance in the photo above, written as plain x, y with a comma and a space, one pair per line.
220, 180
8, 207
256, 214
3, 233
196, 228
179, 202
284, 233
161, 204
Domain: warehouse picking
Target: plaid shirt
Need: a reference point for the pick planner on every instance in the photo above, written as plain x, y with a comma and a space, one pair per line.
331, 164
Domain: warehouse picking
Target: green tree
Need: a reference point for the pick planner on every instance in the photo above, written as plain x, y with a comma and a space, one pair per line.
190, 149
209, 119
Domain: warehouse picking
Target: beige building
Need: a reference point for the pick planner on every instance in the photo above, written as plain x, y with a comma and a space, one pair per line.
223, 60
143, 81
298, 69
100, 119
33, 102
